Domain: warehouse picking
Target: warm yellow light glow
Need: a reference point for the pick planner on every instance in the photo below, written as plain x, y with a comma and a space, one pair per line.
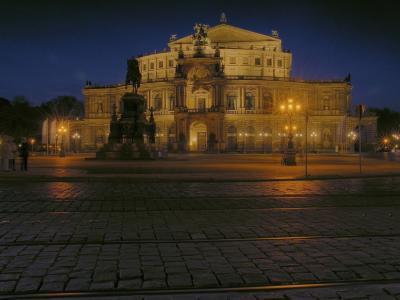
282, 107
290, 106
298, 107
290, 100
294, 127
386, 141
286, 127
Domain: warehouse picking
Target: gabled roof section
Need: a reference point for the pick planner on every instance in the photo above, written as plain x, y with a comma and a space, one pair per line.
225, 33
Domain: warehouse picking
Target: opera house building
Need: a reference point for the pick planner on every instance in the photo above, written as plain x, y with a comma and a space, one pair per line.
222, 88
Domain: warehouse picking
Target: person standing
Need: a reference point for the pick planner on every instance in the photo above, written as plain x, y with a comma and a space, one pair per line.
24, 154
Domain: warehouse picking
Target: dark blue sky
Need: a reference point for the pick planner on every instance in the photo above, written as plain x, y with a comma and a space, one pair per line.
49, 48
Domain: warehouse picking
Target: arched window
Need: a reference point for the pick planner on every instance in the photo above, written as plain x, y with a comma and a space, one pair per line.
249, 101
250, 138
231, 102
267, 102
157, 102
232, 138
146, 103
171, 102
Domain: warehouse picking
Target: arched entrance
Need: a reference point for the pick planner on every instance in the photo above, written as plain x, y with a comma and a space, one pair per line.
232, 138
198, 136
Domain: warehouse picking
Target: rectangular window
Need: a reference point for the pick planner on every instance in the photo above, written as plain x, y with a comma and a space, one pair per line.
144, 67
257, 61
280, 63
171, 63
152, 66
160, 64
245, 60
269, 62
232, 60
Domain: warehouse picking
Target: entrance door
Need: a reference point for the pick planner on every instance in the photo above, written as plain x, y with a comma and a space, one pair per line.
201, 105
201, 141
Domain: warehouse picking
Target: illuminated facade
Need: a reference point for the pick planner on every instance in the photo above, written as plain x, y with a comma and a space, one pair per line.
220, 89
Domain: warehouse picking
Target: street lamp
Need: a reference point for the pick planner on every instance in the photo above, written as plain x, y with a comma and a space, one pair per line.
264, 135
352, 136
245, 142
290, 108
32, 141
62, 130
386, 142
76, 136
313, 135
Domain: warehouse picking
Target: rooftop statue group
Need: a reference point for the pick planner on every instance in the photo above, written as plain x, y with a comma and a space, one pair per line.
127, 132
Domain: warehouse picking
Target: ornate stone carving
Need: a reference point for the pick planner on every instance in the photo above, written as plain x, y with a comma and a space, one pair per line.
200, 35
199, 72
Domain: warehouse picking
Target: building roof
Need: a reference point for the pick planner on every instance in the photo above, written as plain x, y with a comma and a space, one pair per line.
225, 33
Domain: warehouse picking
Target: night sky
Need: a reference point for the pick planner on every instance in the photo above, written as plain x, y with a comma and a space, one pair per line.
49, 48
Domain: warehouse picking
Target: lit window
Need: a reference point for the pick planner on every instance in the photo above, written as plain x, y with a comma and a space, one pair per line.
157, 103
269, 62
249, 101
232, 60
280, 63
171, 102
231, 102
171, 63
160, 64
257, 61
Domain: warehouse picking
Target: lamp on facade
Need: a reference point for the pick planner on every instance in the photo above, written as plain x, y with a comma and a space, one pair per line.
61, 131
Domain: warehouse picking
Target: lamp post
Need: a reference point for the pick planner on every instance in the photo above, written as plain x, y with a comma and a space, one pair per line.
352, 136
290, 108
313, 135
32, 141
76, 136
264, 135
245, 142
62, 130
386, 144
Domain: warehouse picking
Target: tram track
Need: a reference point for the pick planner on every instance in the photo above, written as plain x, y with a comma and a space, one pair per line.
168, 292
198, 241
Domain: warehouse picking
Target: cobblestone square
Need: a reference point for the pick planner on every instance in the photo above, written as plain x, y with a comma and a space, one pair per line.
324, 238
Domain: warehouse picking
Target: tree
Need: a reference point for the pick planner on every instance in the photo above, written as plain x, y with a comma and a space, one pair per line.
19, 118
4, 103
388, 120
62, 107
